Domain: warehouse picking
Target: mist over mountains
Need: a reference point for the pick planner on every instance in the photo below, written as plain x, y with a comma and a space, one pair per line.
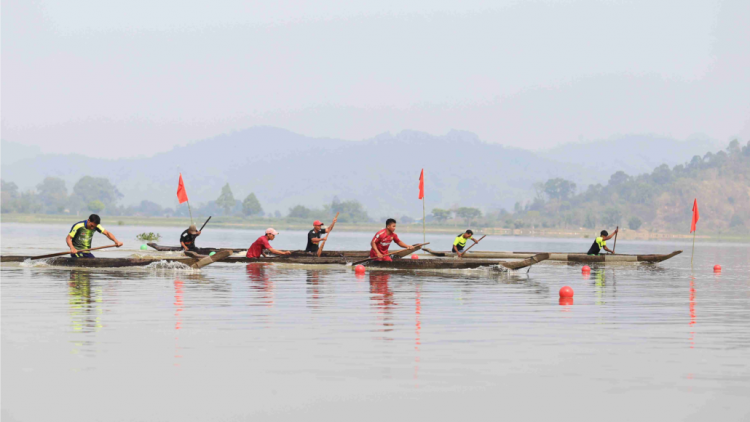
285, 169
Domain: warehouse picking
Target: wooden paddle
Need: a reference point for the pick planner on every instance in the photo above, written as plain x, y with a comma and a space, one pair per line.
204, 224
208, 260
68, 252
471, 246
617, 231
413, 248
320, 248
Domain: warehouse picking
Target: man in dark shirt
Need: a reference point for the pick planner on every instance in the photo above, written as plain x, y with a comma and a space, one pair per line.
601, 243
313, 237
187, 238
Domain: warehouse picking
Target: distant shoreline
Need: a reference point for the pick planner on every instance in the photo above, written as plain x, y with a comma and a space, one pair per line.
287, 224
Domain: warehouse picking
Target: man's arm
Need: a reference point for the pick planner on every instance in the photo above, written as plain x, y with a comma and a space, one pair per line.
375, 248
612, 235
316, 240
184, 246
69, 241
278, 252
112, 238
607, 249
403, 245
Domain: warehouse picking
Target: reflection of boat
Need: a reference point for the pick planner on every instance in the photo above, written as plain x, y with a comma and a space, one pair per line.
206, 251
560, 256
408, 264
456, 264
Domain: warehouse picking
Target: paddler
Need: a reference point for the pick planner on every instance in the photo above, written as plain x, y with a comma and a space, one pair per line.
81, 233
460, 243
382, 241
313, 237
261, 245
601, 243
187, 238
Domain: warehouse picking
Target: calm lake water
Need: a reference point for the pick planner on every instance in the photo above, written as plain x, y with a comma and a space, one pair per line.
285, 342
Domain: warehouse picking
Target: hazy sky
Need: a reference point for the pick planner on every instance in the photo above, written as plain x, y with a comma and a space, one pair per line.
126, 78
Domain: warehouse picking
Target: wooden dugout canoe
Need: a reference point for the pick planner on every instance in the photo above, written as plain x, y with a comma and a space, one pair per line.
408, 264
206, 251
560, 256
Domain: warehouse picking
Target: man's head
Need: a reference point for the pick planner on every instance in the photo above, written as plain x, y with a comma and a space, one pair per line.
604, 233
317, 224
468, 234
390, 224
192, 229
93, 221
271, 233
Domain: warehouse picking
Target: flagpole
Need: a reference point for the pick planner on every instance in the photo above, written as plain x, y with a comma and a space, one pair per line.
692, 253
424, 235
191, 213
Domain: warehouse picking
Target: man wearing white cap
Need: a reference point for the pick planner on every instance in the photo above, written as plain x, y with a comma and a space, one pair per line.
259, 247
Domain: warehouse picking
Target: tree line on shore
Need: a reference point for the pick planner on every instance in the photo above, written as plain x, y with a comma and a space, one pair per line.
657, 200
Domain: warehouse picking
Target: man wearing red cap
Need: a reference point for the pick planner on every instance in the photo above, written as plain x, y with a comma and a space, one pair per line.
260, 246
313, 237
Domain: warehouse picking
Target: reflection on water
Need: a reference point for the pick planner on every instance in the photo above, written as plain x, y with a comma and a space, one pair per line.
692, 312
85, 302
260, 280
286, 342
177, 318
383, 301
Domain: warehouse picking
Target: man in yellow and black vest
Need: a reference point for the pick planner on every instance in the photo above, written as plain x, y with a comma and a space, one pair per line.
460, 243
601, 243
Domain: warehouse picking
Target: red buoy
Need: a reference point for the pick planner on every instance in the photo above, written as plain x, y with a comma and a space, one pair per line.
415, 256
566, 291
586, 269
717, 268
359, 269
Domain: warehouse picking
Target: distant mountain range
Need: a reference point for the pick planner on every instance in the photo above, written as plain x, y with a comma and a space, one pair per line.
284, 169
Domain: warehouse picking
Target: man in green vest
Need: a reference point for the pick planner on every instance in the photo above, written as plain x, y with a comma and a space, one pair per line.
460, 243
601, 243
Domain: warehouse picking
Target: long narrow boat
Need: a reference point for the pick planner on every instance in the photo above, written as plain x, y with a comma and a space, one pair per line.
560, 256
206, 251
202, 251
407, 264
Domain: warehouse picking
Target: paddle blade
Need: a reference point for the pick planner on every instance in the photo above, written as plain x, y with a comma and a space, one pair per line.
218, 256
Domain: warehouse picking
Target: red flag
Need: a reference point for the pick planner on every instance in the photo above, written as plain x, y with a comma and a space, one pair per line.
421, 185
181, 194
696, 216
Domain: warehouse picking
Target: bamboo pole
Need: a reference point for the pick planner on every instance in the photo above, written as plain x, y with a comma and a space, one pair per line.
68, 252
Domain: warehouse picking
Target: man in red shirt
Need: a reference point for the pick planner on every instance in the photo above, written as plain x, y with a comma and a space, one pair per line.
258, 248
382, 241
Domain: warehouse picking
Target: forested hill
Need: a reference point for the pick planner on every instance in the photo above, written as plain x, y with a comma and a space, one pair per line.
659, 201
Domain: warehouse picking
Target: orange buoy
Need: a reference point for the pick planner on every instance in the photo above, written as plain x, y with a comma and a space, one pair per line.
586, 269
359, 269
566, 291
415, 256
717, 268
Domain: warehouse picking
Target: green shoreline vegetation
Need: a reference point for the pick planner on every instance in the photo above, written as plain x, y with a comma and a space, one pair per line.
654, 205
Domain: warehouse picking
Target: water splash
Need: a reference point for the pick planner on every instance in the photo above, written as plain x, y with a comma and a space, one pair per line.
169, 266
35, 263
